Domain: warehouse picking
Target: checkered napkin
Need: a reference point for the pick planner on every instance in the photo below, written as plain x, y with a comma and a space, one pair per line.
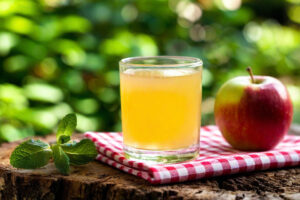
216, 158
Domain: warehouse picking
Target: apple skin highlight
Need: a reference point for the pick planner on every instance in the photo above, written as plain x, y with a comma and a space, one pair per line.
253, 116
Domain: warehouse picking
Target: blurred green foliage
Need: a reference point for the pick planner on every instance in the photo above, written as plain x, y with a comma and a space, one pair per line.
61, 56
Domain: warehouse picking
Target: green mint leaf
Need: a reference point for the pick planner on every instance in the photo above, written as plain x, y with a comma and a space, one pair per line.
61, 160
31, 154
65, 128
80, 153
64, 139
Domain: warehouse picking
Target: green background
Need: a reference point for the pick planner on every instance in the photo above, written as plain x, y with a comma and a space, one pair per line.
61, 56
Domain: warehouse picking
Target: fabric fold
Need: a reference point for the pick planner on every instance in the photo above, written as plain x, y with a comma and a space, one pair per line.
216, 158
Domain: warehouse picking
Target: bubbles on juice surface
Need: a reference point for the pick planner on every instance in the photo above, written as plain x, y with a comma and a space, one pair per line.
159, 72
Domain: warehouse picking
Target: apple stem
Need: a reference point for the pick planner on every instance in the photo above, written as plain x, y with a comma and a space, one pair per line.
249, 70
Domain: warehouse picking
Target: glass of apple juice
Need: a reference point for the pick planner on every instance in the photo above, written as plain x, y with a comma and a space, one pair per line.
161, 104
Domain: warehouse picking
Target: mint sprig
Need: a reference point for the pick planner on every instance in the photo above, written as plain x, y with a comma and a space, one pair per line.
33, 154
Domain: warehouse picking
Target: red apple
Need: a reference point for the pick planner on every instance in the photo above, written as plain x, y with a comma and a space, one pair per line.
253, 112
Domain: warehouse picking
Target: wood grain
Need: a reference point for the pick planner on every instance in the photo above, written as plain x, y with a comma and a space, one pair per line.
99, 181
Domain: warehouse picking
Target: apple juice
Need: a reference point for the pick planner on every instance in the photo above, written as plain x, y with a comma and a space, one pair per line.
160, 108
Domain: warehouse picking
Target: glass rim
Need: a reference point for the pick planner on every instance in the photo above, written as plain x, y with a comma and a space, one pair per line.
192, 61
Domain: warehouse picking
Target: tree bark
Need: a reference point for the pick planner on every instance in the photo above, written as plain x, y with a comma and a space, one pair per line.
99, 181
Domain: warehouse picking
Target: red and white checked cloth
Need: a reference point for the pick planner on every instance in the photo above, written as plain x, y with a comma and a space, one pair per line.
216, 158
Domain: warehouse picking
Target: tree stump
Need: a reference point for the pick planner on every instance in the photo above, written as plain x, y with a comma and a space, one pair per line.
99, 181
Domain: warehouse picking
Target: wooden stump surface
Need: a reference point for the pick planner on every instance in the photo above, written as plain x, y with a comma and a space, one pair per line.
99, 181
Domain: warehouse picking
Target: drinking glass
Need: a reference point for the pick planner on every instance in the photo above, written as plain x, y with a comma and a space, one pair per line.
161, 105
